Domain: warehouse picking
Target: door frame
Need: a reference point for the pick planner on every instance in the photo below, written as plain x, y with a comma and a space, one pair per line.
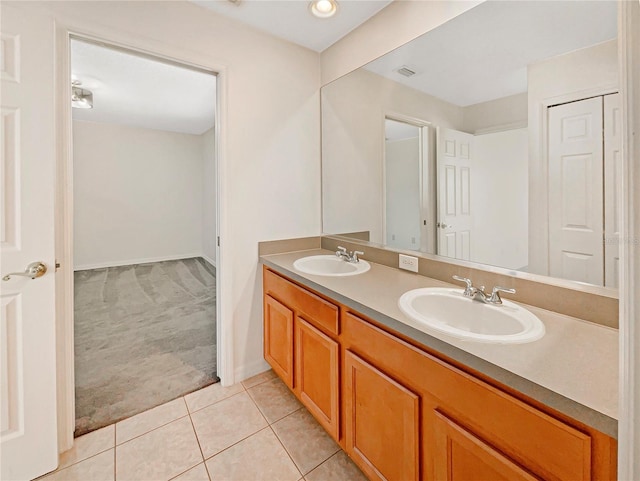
629, 378
427, 193
64, 205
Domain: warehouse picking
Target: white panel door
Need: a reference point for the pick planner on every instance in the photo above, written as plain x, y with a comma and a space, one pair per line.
454, 152
27, 166
612, 172
576, 206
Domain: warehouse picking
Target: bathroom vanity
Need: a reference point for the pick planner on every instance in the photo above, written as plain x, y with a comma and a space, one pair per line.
406, 404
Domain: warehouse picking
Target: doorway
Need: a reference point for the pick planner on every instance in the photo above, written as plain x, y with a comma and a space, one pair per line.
144, 231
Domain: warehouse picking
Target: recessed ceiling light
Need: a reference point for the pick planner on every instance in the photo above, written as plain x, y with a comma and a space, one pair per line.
323, 8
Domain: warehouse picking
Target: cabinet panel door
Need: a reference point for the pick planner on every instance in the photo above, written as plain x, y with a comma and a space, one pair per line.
382, 422
317, 374
461, 456
278, 338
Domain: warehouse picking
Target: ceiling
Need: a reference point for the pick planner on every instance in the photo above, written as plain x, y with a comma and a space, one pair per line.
135, 90
291, 19
483, 54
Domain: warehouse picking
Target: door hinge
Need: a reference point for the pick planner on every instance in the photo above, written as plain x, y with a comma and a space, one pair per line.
218, 241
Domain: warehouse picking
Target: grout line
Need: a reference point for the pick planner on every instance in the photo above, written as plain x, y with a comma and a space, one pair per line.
287, 451
236, 443
152, 429
215, 402
285, 447
206, 468
195, 433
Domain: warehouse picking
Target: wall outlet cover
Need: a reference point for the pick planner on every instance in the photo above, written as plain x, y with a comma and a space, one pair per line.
408, 263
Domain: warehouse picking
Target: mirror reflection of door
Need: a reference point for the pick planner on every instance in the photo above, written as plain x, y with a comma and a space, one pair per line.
407, 220
584, 168
454, 193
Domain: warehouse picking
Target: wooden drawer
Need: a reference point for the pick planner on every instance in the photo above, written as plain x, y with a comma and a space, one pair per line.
322, 314
542, 444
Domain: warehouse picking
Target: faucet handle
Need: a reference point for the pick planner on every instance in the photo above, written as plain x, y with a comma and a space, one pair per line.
341, 251
469, 291
495, 294
466, 280
355, 255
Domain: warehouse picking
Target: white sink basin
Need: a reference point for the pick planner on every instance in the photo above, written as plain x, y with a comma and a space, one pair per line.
328, 265
447, 311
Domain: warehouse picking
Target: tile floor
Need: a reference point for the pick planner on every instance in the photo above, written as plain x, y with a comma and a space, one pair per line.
254, 430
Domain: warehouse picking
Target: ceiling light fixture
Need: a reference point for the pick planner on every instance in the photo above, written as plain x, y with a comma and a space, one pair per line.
323, 8
80, 98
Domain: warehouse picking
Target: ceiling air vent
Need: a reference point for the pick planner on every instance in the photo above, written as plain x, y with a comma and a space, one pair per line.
406, 71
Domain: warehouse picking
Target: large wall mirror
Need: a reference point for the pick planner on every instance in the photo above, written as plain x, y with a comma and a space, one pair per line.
493, 138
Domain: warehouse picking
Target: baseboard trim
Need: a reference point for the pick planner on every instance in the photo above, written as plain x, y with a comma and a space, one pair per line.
248, 370
209, 259
130, 262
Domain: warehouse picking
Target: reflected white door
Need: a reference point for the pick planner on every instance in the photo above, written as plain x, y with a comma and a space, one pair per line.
454, 152
576, 186
27, 168
612, 179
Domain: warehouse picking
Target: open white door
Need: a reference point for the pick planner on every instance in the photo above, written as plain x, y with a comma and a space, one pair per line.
27, 168
576, 212
454, 201
612, 179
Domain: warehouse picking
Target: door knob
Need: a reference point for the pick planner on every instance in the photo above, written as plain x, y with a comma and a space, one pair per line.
33, 270
442, 225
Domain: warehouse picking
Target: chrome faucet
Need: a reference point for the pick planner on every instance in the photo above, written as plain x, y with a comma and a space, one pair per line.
478, 294
348, 256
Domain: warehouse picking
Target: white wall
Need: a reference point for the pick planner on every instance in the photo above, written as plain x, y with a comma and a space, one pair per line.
138, 195
270, 134
353, 112
402, 196
499, 193
573, 76
496, 115
209, 231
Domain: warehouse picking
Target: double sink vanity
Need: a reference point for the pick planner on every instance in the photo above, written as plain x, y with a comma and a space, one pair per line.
416, 380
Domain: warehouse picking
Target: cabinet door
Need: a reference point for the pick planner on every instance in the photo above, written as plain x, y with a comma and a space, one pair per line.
461, 456
278, 338
316, 378
382, 423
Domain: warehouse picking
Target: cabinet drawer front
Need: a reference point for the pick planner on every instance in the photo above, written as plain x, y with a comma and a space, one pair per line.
278, 338
316, 310
382, 422
316, 378
461, 456
546, 446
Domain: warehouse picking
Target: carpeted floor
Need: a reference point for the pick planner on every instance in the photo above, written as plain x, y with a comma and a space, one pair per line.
144, 335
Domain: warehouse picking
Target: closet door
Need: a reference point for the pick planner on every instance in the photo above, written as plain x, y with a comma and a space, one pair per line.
576, 213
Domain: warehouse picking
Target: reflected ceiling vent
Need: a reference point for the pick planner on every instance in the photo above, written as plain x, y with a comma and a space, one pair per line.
406, 71
235, 2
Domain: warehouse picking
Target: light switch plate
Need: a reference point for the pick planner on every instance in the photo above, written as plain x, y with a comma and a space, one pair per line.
408, 263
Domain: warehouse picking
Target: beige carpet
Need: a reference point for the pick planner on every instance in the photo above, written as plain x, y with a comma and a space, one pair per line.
144, 335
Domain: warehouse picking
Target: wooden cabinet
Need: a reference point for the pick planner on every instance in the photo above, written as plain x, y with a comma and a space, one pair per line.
459, 455
382, 422
278, 338
298, 344
316, 380
402, 413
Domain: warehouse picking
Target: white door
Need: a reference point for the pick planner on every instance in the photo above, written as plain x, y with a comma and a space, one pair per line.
612, 179
27, 166
576, 207
454, 152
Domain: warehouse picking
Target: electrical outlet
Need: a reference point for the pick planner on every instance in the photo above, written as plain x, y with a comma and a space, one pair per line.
408, 263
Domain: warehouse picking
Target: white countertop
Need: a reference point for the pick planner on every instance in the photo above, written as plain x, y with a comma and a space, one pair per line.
575, 363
